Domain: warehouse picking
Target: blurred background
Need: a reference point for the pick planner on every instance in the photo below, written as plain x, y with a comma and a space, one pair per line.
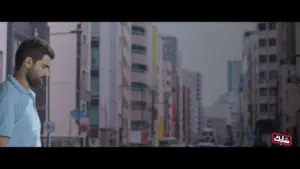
172, 84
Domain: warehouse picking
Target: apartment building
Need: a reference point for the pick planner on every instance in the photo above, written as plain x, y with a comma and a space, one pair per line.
141, 81
69, 82
267, 82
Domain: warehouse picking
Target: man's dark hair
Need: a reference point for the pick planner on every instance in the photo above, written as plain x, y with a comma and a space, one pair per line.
35, 48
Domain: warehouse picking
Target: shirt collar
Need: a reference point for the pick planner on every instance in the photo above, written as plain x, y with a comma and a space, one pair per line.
19, 87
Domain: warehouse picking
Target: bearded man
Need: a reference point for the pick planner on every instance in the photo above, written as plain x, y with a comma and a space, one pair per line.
19, 121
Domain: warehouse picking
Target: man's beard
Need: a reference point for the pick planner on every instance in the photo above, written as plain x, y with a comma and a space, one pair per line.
33, 81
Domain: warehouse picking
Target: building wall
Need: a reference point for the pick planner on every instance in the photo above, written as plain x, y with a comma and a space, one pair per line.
266, 81
141, 76
63, 80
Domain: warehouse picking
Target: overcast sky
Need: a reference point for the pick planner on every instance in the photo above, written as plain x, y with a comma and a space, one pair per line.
206, 47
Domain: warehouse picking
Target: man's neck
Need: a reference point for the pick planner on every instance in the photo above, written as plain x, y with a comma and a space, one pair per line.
21, 78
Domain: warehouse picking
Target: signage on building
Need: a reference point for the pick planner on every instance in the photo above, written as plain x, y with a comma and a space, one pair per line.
79, 113
84, 125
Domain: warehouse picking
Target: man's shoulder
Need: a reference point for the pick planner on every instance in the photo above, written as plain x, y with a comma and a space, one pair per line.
7, 90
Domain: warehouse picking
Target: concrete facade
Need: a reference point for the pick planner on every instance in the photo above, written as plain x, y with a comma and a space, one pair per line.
69, 76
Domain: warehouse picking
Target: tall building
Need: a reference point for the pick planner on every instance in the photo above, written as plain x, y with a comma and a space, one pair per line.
170, 52
141, 102
193, 80
233, 75
267, 82
288, 80
94, 110
69, 76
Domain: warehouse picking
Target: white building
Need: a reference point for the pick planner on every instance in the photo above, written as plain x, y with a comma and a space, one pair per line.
64, 78
193, 80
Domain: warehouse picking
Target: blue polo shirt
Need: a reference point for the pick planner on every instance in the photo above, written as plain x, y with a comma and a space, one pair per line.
18, 115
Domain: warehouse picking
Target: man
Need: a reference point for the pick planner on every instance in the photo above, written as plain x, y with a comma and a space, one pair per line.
19, 122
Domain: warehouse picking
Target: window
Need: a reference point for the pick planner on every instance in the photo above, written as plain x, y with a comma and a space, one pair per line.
273, 74
272, 42
263, 91
94, 102
138, 86
262, 43
262, 26
138, 49
138, 105
272, 25
273, 91
138, 68
95, 56
262, 58
272, 58
262, 76
137, 30
139, 125
95, 86
273, 107
263, 107
94, 73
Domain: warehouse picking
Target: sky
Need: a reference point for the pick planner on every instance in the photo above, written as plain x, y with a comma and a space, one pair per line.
206, 47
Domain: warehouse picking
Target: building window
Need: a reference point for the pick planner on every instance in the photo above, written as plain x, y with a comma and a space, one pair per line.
138, 49
137, 30
138, 86
273, 74
272, 25
262, 43
262, 26
262, 58
95, 86
272, 42
262, 76
138, 105
263, 108
272, 58
94, 102
263, 91
95, 73
135, 67
273, 91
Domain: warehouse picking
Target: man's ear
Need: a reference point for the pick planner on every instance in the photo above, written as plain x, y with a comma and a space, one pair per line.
28, 62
